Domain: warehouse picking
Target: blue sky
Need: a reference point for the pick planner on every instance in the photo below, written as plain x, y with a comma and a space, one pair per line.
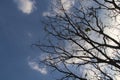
19, 28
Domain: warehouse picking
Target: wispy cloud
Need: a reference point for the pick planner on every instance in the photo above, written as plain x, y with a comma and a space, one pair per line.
67, 4
47, 14
35, 66
26, 6
114, 32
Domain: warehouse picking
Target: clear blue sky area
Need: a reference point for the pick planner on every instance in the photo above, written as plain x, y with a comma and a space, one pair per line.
17, 32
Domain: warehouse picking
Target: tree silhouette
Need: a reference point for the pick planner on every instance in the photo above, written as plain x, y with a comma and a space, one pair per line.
83, 42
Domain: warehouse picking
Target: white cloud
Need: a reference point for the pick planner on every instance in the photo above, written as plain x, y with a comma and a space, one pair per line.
35, 66
67, 4
56, 8
47, 14
26, 6
114, 32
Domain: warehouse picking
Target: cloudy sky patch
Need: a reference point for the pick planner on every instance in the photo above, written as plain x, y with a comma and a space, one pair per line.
26, 6
35, 66
67, 4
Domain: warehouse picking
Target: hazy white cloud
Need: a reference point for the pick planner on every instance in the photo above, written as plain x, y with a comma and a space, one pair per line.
67, 4
35, 66
26, 6
114, 32
47, 14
